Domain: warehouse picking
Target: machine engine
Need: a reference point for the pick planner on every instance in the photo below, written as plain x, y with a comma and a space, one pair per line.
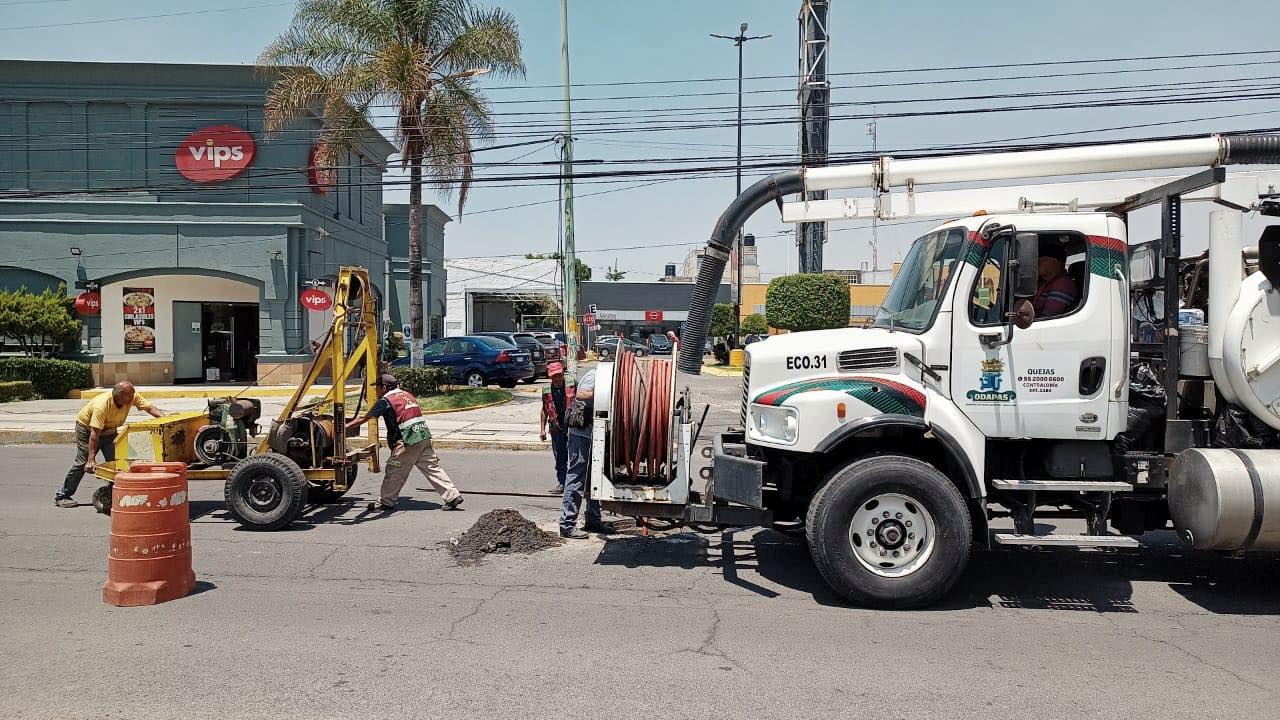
231, 423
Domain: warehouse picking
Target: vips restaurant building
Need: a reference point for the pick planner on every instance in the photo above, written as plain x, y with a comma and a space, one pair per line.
198, 246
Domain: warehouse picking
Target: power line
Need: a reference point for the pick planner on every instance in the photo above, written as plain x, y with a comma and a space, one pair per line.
143, 17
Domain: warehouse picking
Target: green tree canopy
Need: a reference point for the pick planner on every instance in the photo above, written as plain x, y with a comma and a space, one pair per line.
807, 302
722, 320
755, 324
41, 324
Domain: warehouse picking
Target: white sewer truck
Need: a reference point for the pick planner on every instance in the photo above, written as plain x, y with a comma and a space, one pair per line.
1152, 397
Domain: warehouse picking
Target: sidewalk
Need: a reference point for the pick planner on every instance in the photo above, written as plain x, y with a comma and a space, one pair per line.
510, 426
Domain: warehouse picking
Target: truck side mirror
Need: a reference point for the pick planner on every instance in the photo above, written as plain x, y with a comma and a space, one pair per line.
1269, 254
1026, 249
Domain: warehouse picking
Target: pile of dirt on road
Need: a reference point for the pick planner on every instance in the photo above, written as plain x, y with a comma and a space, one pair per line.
501, 531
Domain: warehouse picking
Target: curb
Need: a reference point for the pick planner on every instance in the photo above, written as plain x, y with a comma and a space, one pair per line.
208, 394
67, 437
719, 371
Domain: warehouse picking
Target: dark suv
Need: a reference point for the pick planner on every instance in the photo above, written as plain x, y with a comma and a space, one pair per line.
525, 341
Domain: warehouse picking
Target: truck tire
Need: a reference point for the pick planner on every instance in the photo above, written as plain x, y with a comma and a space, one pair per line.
266, 492
324, 494
889, 531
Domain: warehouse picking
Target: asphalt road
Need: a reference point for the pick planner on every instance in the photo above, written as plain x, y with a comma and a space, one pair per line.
346, 616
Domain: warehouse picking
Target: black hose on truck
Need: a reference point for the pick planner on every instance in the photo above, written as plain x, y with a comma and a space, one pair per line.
694, 336
1252, 149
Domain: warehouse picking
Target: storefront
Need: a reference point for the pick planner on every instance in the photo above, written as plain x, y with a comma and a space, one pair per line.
638, 309
155, 191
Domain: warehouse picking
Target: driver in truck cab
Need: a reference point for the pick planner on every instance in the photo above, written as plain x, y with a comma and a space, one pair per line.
1057, 293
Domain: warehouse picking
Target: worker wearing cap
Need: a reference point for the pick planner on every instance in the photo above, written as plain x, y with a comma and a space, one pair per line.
96, 427
1057, 293
555, 401
410, 443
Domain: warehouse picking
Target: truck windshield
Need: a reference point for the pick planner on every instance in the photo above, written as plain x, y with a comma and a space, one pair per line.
921, 282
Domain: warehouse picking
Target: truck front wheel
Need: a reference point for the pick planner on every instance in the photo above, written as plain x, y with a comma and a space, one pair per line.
889, 531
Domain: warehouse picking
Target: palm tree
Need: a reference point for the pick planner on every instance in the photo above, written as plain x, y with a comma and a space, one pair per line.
344, 58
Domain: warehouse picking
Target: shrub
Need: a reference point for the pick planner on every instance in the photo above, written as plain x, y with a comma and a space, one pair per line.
807, 302
53, 379
721, 320
41, 324
422, 381
16, 390
755, 324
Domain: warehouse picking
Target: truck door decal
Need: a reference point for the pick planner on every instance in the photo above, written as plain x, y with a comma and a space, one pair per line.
1105, 253
886, 396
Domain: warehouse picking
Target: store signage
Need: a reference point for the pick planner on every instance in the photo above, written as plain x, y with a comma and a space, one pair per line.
88, 304
322, 177
653, 316
139, 320
215, 153
315, 300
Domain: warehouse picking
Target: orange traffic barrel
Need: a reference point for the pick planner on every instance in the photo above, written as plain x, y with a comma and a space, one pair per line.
142, 466
149, 560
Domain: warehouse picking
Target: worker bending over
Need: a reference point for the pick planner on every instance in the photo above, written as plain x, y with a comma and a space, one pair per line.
96, 427
410, 443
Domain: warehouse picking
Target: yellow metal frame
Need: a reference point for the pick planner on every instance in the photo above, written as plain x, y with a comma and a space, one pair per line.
353, 286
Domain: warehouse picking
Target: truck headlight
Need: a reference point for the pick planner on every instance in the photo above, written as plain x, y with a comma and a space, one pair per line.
777, 424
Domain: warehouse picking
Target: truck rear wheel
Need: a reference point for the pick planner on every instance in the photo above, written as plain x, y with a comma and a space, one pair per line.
889, 531
266, 492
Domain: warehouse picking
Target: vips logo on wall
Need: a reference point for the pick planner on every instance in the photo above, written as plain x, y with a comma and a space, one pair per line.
315, 299
88, 304
320, 172
653, 316
139, 320
215, 153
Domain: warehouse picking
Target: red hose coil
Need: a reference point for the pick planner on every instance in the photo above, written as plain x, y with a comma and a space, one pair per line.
641, 443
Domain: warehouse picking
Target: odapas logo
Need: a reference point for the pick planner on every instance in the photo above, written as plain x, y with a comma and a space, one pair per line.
215, 153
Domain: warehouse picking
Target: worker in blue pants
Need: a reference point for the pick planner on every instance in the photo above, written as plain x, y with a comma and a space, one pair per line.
579, 470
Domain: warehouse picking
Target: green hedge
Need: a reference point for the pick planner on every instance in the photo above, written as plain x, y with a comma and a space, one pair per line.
422, 381
53, 379
807, 302
13, 390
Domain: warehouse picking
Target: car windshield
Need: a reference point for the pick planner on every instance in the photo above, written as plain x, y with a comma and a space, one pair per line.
658, 341
921, 282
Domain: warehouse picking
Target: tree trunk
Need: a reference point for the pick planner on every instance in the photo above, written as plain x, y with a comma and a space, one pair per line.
415, 252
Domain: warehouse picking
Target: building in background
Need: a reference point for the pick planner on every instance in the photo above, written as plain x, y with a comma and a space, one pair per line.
638, 309
687, 271
864, 298
155, 186
434, 275
501, 294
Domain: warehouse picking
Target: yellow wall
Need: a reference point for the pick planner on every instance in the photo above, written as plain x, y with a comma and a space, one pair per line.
753, 294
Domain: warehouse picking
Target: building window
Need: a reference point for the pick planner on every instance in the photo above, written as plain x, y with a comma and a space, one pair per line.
757, 309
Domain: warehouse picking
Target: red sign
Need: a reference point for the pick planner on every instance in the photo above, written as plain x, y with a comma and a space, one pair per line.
589, 320
322, 177
653, 316
214, 154
88, 304
315, 299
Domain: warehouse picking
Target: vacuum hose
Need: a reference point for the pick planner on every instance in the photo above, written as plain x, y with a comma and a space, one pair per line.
1252, 149
694, 336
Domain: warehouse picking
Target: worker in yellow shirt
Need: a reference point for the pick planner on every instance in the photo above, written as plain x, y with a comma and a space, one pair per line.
96, 427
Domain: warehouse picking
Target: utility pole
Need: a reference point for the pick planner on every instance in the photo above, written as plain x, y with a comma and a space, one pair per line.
739, 40
570, 299
875, 234
815, 115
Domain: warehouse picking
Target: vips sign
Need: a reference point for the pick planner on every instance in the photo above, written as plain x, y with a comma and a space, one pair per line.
320, 172
139, 320
315, 300
88, 304
214, 154
653, 316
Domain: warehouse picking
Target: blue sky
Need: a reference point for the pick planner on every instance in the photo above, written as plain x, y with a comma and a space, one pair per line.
621, 40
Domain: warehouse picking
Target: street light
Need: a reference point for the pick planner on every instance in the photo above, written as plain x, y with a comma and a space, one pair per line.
739, 40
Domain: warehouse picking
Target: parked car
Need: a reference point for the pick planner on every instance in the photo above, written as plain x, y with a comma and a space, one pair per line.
607, 347
552, 346
479, 360
525, 341
659, 344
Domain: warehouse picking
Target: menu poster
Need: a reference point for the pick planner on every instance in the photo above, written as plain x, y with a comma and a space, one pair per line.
139, 320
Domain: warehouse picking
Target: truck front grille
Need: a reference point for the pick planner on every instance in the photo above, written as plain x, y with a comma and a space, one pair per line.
883, 358
746, 391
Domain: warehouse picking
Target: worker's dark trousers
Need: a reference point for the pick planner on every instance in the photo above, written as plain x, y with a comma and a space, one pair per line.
560, 449
575, 484
106, 445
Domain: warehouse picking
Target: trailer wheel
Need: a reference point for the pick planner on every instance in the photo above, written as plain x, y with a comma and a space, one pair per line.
102, 499
889, 531
266, 492
324, 493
